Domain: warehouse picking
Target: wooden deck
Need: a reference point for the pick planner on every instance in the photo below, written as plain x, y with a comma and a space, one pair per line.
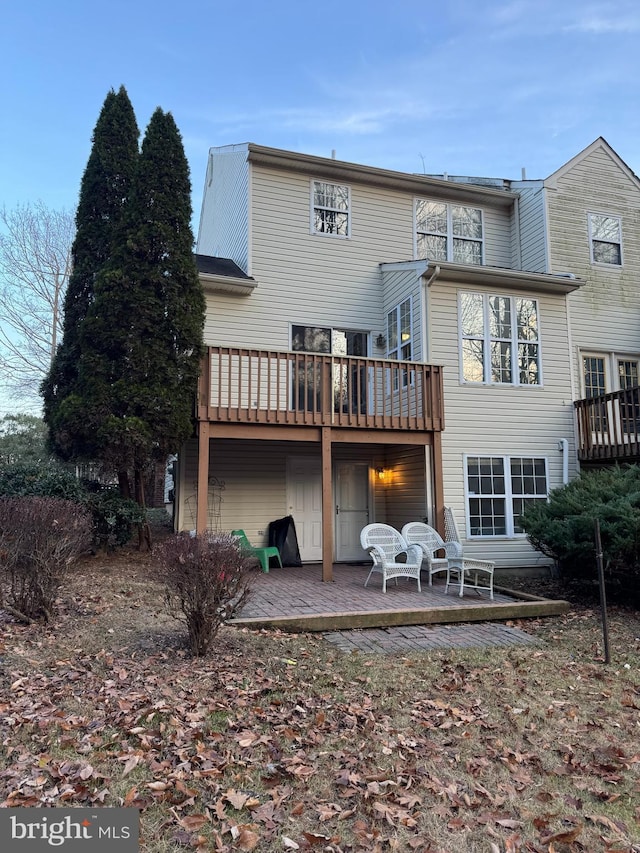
270, 387
296, 599
609, 427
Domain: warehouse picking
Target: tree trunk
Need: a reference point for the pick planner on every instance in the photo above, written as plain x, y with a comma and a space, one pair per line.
124, 484
144, 531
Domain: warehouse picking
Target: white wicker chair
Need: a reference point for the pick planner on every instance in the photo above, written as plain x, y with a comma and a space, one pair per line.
385, 545
419, 533
469, 572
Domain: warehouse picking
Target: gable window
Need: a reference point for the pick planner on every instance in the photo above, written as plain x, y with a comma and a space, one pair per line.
499, 489
449, 232
605, 239
499, 339
330, 209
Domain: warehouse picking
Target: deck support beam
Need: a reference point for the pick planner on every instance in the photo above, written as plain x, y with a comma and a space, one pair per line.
327, 507
438, 483
202, 501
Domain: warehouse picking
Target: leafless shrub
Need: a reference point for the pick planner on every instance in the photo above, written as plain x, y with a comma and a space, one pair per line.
40, 539
206, 583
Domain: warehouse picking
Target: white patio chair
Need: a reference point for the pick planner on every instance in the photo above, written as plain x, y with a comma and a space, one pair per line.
419, 533
469, 572
391, 555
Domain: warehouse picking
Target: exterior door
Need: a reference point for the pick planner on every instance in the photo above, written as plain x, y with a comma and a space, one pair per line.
304, 498
352, 508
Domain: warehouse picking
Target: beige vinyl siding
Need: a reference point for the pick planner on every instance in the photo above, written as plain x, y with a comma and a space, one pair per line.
502, 420
254, 480
532, 226
224, 221
405, 496
497, 237
604, 313
320, 279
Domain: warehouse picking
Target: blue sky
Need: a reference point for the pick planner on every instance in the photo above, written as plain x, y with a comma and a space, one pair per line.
471, 87
483, 87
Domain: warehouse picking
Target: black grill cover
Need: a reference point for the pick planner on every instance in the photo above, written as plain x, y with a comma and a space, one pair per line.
282, 534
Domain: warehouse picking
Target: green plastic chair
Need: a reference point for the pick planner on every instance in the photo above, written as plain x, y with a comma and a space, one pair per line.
263, 555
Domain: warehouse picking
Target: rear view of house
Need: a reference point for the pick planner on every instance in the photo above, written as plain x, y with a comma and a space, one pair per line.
381, 344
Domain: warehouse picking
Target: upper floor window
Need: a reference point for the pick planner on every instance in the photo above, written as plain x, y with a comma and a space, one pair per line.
605, 239
449, 232
500, 339
330, 209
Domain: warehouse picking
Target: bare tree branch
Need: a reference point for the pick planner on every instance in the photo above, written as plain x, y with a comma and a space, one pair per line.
35, 264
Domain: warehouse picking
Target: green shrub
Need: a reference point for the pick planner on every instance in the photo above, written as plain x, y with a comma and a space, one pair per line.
564, 528
206, 583
39, 479
40, 538
113, 516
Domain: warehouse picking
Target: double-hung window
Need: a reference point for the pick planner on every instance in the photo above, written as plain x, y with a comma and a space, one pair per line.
605, 239
330, 209
499, 339
449, 232
499, 489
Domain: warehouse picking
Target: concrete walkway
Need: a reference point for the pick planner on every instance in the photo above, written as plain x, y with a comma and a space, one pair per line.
413, 638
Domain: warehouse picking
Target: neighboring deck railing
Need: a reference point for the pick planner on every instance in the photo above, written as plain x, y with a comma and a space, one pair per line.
609, 426
251, 386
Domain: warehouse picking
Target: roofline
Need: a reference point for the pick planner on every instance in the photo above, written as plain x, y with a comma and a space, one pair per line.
602, 143
341, 170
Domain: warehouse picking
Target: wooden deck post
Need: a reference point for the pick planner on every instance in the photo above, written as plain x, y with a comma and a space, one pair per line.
438, 484
203, 477
327, 508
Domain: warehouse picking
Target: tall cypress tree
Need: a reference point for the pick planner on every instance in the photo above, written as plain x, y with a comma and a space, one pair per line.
104, 194
142, 340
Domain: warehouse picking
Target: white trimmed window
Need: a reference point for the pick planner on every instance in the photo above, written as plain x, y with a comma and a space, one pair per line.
399, 335
499, 339
499, 488
449, 232
330, 209
605, 239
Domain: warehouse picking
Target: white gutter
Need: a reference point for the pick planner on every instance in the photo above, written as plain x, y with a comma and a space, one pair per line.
563, 447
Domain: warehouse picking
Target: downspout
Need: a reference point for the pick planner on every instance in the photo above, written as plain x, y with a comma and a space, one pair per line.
423, 310
563, 447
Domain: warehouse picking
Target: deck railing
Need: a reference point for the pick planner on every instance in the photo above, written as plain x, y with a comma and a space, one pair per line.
609, 426
308, 389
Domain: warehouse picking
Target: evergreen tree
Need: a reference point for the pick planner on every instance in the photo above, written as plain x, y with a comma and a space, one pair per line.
104, 193
141, 342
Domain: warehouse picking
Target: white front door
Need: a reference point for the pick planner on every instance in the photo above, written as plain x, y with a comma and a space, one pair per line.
352, 508
304, 498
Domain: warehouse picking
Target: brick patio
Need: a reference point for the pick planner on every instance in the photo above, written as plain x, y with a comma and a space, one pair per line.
296, 599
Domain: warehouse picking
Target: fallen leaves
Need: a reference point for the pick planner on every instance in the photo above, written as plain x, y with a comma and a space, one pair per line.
278, 743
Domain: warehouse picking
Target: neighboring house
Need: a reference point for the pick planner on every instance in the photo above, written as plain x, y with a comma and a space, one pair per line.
382, 344
590, 212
